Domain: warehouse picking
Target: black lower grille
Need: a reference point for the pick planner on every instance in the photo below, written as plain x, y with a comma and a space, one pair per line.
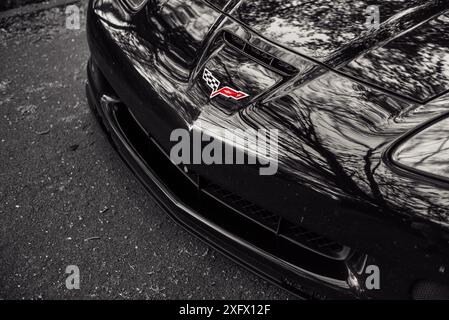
319, 242
244, 206
277, 224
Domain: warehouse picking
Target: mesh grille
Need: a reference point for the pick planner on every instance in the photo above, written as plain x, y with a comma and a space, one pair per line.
302, 235
429, 290
244, 206
277, 224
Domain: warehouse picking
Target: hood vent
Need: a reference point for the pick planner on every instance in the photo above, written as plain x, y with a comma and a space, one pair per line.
265, 59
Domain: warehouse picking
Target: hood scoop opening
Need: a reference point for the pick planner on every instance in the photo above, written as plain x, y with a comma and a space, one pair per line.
258, 55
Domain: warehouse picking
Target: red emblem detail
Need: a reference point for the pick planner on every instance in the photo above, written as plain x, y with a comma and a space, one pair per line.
229, 92
214, 84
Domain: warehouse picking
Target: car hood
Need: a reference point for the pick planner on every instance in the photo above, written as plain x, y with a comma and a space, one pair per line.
408, 54
334, 132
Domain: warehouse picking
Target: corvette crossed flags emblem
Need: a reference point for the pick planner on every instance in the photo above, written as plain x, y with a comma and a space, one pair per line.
214, 84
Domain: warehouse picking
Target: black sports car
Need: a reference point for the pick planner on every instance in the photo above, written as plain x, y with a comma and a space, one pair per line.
307, 140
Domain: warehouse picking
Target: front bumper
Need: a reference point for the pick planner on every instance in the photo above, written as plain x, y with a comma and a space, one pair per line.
167, 183
117, 95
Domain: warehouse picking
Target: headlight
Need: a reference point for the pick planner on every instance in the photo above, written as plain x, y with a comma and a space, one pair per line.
136, 4
425, 151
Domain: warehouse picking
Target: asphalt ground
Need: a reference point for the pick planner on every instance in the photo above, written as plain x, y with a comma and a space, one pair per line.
66, 198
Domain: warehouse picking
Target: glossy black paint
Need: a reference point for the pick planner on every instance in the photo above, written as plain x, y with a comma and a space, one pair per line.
405, 55
424, 151
350, 96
